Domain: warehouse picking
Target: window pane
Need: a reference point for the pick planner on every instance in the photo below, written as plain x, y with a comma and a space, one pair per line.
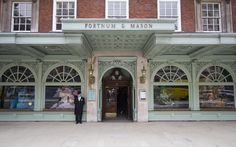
17, 97
216, 7
71, 5
22, 12
16, 27
169, 9
162, 12
16, 13
22, 27
216, 13
65, 11
204, 7
22, 15
210, 7
65, 5
28, 7
59, 12
58, 27
123, 5
168, 12
58, 19
168, 5
22, 20
210, 12
216, 97
170, 74
170, 97
60, 97
71, 12
16, 21
28, 27
117, 9
59, 4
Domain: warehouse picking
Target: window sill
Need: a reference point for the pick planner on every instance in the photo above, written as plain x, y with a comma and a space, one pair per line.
58, 110
15, 110
172, 110
215, 109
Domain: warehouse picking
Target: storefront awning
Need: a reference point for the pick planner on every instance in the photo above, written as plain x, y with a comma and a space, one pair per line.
190, 46
43, 46
118, 34
156, 38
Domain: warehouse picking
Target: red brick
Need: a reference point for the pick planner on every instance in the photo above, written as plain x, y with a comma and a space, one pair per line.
234, 14
45, 15
91, 8
143, 9
187, 15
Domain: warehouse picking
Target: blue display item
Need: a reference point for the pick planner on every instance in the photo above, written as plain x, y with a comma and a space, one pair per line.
13, 103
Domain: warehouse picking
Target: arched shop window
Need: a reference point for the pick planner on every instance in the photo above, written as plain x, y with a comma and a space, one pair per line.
60, 84
216, 88
17, 88
171, 88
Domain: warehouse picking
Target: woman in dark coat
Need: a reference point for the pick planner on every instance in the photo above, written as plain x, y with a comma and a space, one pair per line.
79, 103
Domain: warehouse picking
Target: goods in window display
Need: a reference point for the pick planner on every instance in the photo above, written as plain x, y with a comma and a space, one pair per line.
65, 98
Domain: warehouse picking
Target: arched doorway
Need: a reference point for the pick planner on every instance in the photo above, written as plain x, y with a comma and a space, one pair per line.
117, 95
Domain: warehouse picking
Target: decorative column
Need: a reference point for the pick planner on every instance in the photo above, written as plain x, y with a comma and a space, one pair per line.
194, 102
38, 88
142, 90
92, 96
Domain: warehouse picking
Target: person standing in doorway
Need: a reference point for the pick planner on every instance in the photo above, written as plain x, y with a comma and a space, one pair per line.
79, 103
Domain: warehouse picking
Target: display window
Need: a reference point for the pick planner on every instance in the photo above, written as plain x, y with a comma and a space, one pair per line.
60, 97
216, 89
170, 89
17, 90
61, 82
17, 97
170, 97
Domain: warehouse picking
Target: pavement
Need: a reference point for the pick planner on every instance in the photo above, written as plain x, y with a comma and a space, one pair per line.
118, 134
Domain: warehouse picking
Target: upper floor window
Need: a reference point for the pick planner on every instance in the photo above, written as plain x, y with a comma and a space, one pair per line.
170, 9
210, 13
117, 9
21, 16
63, 9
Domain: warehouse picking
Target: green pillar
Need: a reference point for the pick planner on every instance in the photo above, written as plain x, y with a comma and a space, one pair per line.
38, 89
195, 89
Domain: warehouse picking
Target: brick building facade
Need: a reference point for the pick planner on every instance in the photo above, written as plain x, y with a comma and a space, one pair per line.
138, 60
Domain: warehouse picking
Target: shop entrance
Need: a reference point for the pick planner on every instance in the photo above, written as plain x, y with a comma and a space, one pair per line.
117, 95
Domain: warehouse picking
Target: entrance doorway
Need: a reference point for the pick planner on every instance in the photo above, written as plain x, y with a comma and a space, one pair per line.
117, 95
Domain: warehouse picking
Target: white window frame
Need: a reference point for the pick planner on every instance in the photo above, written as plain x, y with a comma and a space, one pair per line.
54, 12
171, 83
178, 11
12, 16
216, 83
127, 8
220, 17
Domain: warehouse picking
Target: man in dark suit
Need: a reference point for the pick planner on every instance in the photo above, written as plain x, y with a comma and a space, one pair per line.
79, 103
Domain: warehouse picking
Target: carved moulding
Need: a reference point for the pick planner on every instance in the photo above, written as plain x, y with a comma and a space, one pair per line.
80, 65
129, 65
153, 65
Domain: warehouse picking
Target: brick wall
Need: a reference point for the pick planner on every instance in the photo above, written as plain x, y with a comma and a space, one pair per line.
234, 14
143, 8
0, 16
45, 15
91, 8
187, 15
